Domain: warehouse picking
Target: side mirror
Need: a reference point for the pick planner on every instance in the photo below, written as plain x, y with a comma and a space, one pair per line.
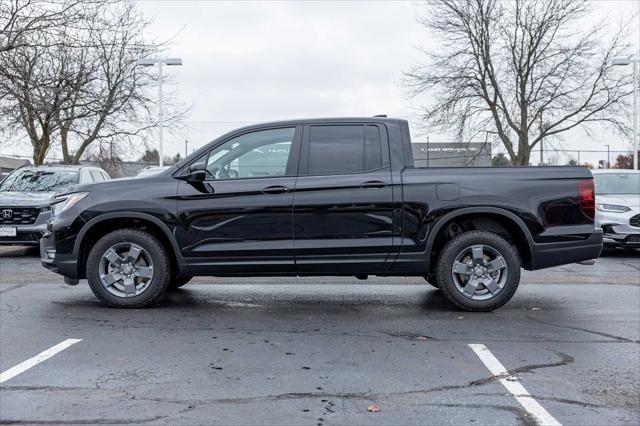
196, 173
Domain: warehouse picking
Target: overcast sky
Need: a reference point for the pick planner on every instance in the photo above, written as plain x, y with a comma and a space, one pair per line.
247, 62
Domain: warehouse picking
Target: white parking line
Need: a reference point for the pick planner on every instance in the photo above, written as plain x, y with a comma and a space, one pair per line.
31, 362
525, 399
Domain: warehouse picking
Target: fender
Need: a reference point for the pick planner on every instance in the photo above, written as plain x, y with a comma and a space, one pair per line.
127, 214
485, 209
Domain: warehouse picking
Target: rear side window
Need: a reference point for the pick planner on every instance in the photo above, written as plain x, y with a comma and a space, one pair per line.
86, 177
96, 175
373, 148
344, 149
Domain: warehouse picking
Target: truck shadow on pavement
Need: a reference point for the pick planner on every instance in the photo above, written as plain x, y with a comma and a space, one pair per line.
289, 299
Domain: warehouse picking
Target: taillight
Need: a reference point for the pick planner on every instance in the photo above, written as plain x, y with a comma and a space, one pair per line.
586, 193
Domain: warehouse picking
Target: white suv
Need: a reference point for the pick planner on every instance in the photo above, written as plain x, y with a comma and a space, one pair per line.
618, 206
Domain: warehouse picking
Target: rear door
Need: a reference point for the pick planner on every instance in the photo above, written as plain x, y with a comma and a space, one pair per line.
343, 210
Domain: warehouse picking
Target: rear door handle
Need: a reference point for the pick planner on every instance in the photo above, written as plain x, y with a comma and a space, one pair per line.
373, 184
275, 189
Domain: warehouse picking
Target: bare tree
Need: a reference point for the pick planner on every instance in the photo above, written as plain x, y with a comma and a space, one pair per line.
110, 102
523, 70
35, 84
80, 84
20, 20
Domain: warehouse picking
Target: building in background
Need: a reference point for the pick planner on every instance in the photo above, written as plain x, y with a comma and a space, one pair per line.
451, 154
9, 164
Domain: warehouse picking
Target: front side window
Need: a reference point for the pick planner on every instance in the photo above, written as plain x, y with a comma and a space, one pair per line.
29, 180
344, 149
263, 153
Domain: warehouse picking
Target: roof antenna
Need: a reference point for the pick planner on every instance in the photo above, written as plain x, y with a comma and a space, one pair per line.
381, 115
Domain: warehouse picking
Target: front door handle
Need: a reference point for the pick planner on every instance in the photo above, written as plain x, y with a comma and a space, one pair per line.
275, 189
373, 184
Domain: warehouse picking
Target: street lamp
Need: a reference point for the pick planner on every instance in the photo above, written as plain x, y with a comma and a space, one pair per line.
149, 62
622, 61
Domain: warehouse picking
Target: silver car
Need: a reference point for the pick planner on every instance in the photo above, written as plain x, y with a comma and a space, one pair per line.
618, 206
25, 196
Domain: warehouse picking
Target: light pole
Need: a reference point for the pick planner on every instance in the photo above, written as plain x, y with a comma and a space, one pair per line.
149, 62
623, 62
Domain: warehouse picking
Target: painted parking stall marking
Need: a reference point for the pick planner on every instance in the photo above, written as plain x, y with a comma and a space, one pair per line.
521, 395
32, 362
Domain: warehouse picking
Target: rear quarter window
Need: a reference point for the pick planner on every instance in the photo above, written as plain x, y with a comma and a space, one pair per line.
343, 149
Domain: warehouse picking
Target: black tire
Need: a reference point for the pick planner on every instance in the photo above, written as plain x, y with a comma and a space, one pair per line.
178, 281
493, 243
155, 251
431, 280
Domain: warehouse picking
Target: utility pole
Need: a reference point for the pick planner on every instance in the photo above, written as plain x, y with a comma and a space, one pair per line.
186, 144
636, 82
427, 151
541, 141
161, 122
147, 62
608, 162
633, 60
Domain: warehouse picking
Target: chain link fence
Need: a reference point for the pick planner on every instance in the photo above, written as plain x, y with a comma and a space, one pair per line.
425, 154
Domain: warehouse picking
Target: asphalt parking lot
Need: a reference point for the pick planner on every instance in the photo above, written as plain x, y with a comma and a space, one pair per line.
322, 351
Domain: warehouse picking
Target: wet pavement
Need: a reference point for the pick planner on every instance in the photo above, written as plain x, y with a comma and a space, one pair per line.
322, 351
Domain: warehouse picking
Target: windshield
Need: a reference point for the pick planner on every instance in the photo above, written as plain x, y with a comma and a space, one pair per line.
39, 180
617, 183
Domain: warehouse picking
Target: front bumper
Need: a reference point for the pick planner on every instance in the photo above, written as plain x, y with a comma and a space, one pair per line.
617, 228
63, 264
27, 235
622, 240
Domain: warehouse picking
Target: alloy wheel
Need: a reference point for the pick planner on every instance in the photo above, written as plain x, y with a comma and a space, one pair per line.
126, 270
479, 272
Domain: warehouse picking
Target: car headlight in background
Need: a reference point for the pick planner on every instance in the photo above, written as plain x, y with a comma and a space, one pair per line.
613, 208
63, 202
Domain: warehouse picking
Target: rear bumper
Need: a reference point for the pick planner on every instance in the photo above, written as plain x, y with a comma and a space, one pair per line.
546, 255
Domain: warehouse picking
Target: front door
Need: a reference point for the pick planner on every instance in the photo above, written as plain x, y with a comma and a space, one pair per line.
239, 221
343, 210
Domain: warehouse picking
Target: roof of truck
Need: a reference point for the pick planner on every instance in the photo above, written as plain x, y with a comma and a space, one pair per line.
376, 119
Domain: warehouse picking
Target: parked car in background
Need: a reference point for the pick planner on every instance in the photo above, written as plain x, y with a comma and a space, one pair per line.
25, 196
322, 197
151, 170
618, 206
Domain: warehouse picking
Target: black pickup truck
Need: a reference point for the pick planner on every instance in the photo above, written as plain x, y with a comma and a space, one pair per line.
322, 197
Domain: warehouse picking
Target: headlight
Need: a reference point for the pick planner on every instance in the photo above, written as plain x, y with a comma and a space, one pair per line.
613, 208
66, 201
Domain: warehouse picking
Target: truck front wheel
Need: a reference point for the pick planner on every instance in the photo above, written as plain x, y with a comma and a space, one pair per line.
478, 271
178, 281
128, 268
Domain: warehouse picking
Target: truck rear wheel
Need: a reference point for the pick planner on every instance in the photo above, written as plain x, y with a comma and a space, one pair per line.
478, 271
128, 268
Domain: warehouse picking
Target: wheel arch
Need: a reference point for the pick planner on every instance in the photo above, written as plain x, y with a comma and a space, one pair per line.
489, 217
101, 225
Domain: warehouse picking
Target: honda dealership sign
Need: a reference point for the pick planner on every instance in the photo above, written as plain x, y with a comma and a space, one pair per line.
448, 154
